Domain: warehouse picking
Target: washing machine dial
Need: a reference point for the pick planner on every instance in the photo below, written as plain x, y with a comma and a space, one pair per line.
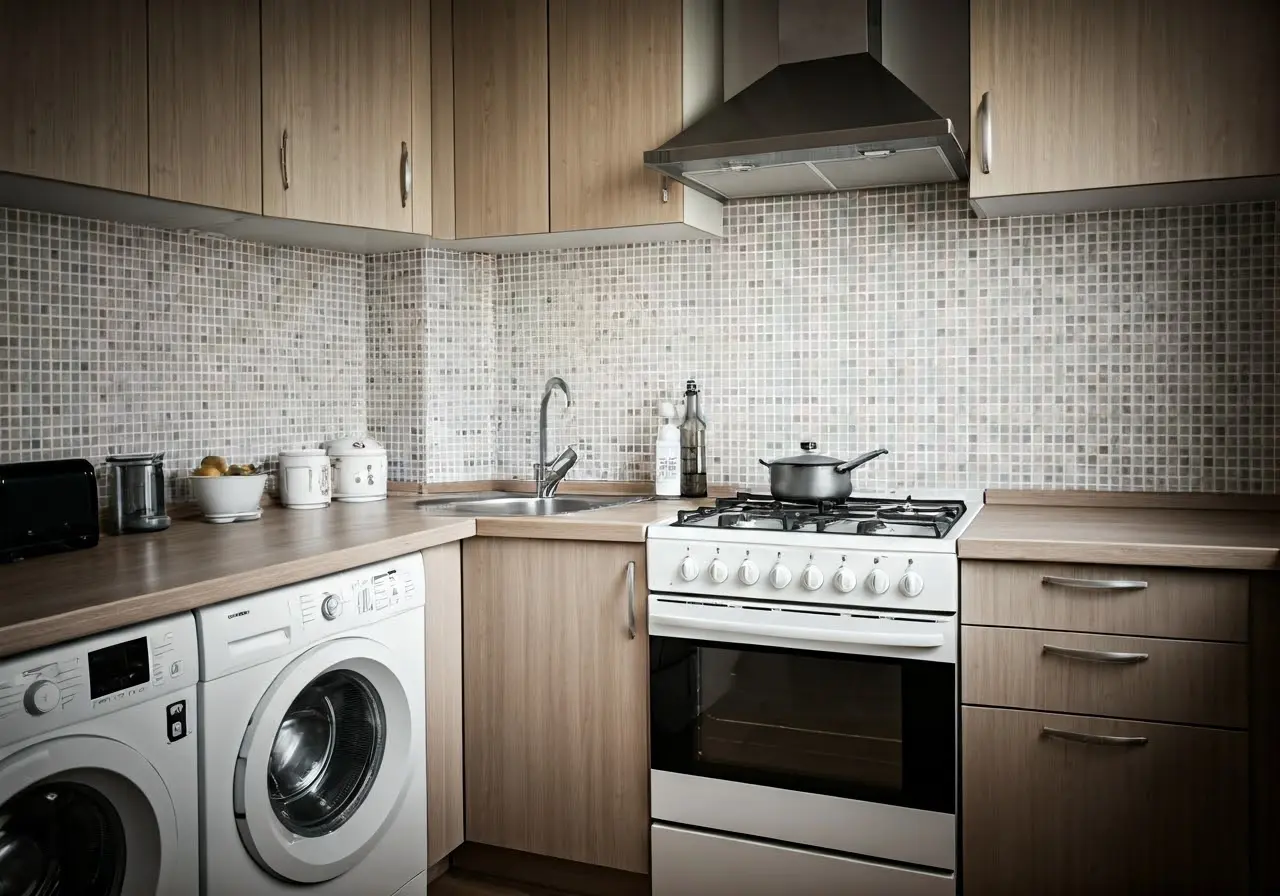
41, 697
331, 608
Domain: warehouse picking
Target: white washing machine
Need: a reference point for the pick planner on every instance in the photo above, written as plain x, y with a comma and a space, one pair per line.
313, 737
98, 770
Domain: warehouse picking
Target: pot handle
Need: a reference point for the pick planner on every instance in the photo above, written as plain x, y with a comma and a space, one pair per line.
859, 461
765, 463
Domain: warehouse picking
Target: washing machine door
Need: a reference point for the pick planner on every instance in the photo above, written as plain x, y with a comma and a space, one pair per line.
85, 815
322, 768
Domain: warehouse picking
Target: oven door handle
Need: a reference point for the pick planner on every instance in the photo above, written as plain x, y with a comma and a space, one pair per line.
874, 639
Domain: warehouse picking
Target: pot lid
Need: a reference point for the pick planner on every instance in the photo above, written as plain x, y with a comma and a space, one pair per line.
353, 446
810, 458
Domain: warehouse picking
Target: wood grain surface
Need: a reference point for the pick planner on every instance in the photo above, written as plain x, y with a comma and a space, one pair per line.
1072, 497
445, 809
1188, 682
1194, 604
1264, 731
1223, 539
443, 212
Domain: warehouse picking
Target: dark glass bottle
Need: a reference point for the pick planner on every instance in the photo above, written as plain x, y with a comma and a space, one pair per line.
693, 446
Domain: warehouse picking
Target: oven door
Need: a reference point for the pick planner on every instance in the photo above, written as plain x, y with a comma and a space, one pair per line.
820, 726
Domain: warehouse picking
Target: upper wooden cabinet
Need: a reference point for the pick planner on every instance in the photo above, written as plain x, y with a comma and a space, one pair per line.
73, 91
205, 93
337, 112
1095, 95
556, 699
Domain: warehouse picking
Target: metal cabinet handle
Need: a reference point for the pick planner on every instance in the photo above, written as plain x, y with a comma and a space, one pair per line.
1095, 584
406, 175
284, 157
1099, 740
631, 599
984, 124
1096, 656
666, 189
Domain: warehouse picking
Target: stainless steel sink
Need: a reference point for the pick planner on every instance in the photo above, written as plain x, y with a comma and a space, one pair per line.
502, 504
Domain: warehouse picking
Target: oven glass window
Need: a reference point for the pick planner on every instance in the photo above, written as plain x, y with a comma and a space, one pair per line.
854, 726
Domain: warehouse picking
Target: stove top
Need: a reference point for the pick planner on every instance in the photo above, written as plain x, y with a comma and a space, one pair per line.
851, 516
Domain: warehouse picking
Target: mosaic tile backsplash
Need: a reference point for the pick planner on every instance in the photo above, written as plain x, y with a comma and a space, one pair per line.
117, 338
1125, 350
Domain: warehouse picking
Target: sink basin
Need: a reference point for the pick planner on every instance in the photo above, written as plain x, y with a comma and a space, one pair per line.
501, 504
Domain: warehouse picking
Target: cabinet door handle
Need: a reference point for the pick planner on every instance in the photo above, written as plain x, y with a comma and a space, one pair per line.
1096, 656
666, 189
1095, 584
284, 157
631, 599
984, 126
1098, 740
406, 175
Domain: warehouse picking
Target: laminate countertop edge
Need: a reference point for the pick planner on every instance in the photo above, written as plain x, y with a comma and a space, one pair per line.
1123, 553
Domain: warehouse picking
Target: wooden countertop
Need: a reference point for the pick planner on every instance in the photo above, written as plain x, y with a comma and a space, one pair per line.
1143, 536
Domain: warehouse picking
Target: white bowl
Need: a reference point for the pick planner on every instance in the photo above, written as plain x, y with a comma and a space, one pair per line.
225, 499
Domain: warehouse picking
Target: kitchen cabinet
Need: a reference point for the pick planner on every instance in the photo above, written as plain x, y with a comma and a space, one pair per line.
337, 112
205, 99
445, 810
73, 91
1137, 102
556, 699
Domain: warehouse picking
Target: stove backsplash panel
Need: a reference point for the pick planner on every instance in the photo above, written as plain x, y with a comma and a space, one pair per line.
1125, 350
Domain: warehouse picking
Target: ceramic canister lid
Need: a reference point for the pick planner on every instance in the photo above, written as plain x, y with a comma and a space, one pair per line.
349, 446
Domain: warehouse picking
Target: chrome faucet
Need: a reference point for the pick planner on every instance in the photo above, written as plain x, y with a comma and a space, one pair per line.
547, 474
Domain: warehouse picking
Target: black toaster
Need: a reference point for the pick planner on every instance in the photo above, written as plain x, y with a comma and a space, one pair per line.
45, 506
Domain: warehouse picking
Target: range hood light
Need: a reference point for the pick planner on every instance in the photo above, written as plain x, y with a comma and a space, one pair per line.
877, 153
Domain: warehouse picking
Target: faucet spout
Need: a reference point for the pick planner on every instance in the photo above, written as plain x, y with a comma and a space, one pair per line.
548, 473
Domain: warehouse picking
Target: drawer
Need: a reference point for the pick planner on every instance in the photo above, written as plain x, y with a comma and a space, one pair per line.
1116, 600
1191, 682
1164, 809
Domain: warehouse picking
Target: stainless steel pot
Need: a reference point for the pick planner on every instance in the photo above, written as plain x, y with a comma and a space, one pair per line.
811, 477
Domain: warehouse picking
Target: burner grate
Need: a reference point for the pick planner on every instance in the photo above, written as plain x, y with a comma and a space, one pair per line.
850, 516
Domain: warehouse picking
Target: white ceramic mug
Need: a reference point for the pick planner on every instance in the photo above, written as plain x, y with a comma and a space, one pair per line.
305, 478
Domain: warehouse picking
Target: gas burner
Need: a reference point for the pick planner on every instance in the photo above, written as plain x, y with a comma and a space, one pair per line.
851, 516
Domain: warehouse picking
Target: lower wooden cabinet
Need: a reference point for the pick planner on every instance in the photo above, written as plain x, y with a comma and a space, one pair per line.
444, 700
1050, 809
556, 699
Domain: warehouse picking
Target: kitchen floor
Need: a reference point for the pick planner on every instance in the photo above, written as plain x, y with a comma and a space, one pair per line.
457, 883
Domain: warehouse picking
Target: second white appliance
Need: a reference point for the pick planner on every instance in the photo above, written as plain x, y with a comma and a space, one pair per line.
313, 705
304, 478
359, 469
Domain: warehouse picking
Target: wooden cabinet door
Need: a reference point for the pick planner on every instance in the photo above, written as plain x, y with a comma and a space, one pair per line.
205, 97
444, 700
73, 91
336, 79
556, 700
1086, 94
500, 117
616, 68
1057, 818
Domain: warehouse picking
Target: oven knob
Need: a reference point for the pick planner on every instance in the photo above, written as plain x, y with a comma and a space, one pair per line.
41, 697
331, 607
779, 576
878, 581
718, 571
811, 578
688, 569
911, 584
844, 580
748, 573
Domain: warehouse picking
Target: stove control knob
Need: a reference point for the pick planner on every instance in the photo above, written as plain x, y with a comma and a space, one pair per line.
688, 569
779, 576
718, 571
844, 580
811, 578
911, 584
748, 573
41, 697
877, 581
331, 608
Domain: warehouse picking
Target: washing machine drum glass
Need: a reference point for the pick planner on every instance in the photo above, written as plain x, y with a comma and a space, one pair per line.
326, 753
60, 838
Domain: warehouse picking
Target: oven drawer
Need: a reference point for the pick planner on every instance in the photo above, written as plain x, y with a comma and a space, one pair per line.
1191, 682
1122, 600
698, 863
1130, 807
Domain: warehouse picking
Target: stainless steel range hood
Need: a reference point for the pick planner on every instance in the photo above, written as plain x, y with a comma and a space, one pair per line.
806, 114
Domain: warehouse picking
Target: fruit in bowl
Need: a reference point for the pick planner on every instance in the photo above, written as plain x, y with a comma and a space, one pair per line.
226, 492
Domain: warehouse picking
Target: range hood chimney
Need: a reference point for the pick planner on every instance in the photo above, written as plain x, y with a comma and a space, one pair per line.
817, 99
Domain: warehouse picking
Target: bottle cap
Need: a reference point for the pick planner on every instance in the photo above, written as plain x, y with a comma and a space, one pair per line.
666, 409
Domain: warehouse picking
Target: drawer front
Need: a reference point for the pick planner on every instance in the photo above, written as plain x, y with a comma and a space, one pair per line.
1189, 682
1118, 600
1051, 816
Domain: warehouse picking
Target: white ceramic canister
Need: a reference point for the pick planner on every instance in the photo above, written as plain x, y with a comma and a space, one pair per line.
359, 469
304, 478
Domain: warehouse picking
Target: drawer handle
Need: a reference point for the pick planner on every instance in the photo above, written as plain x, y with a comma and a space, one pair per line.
1099, 740
631, 599
1095, 584
1096, 656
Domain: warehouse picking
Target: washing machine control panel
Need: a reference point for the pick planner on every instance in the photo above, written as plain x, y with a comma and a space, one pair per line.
58, 686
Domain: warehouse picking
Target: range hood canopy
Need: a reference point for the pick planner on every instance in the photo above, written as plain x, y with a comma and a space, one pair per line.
835, 122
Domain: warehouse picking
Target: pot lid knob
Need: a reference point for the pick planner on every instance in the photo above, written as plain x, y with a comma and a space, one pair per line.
809, 447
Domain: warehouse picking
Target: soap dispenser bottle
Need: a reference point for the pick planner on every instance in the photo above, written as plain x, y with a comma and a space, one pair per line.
693, 446
666, 459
